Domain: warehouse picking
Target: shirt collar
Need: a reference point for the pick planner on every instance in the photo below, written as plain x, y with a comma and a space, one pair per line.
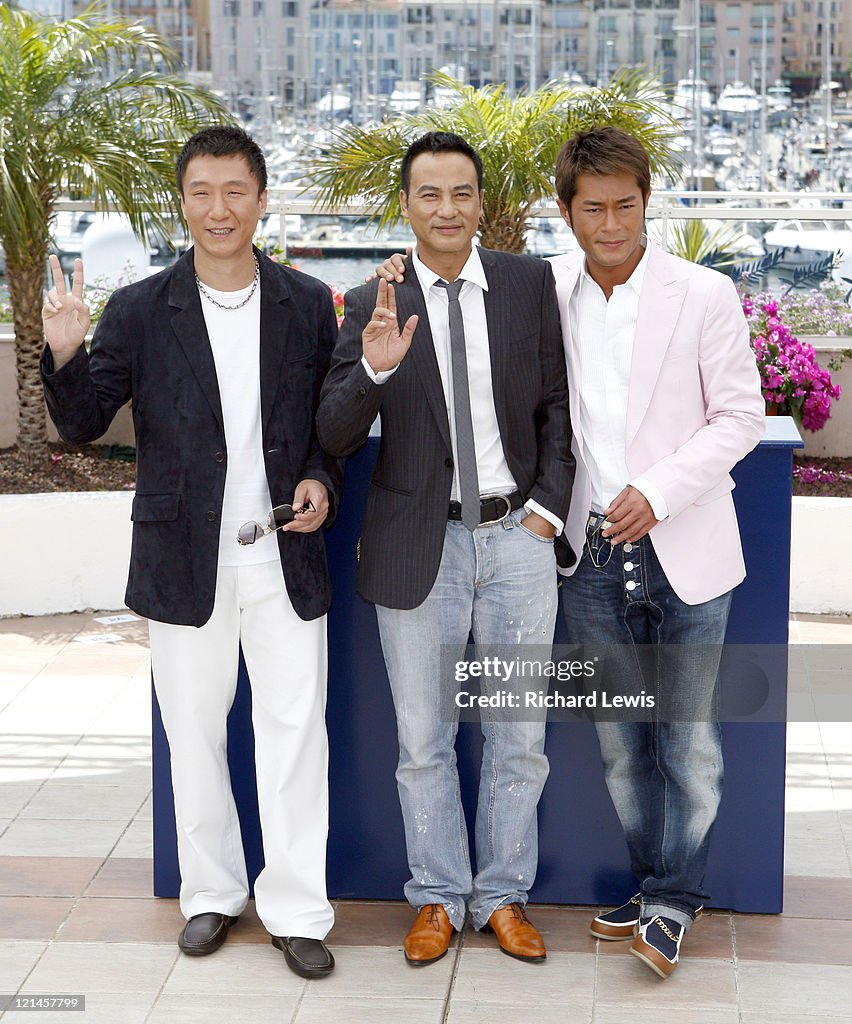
472, 271
636, 278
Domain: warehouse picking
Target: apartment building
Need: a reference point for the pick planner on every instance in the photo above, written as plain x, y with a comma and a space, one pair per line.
270, 55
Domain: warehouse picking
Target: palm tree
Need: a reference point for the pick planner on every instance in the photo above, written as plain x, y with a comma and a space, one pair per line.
518, 140
91, 107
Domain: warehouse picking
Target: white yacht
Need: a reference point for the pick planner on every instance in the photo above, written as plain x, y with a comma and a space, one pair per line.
779, 96
737, 102
687, 91
804, 241
406, 96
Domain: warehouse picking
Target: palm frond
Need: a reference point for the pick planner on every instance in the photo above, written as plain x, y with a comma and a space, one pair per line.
517, 137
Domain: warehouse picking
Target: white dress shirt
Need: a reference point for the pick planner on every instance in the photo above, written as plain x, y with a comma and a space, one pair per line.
493, 471
602, 333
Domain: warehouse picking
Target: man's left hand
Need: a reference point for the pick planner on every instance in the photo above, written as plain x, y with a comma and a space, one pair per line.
630, 517
317, 494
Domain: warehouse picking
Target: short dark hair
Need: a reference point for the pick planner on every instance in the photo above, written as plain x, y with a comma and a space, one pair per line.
222, 140
438, 142
605, 150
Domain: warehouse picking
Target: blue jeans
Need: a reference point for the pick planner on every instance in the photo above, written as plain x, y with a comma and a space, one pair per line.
664, 777
498, 583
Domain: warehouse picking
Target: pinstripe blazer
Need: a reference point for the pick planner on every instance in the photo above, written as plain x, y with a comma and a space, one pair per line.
406, 514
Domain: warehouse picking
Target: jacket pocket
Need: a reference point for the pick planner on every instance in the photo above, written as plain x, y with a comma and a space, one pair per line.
155, 508
394, 490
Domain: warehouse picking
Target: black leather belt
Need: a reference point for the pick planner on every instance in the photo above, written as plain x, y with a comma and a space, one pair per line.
491, 510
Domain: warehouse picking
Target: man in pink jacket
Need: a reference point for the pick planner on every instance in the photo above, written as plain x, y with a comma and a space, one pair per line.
665, 399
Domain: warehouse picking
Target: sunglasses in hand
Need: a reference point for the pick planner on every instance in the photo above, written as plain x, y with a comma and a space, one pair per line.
280, 516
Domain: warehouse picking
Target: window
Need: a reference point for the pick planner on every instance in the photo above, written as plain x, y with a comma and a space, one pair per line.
257, 8
231, 8
289, 9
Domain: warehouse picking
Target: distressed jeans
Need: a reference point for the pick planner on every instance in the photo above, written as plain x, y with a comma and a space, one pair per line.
665, 776
498, 583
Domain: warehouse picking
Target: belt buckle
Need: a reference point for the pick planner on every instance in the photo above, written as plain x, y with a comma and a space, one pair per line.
506, 514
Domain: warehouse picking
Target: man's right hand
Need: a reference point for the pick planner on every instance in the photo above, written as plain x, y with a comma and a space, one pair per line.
384, 345
393, 269
65, 316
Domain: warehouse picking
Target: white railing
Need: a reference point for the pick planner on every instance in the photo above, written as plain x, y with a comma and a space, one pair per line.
665, 206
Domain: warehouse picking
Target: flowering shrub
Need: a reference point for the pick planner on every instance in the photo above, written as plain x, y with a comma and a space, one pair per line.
790, 376
96, 295
819, 475
337, 299
821, 310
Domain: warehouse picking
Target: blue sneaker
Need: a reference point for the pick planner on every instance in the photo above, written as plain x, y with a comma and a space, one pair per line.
619, 924
657, 944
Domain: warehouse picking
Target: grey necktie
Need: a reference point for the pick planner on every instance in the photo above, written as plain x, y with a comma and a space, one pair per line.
465, 449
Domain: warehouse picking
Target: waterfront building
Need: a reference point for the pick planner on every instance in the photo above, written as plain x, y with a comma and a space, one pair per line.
353, 56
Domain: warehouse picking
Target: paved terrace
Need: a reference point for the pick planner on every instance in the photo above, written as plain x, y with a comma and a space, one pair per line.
77, 913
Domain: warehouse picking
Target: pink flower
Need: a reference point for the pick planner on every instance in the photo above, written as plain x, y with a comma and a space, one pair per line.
790, 375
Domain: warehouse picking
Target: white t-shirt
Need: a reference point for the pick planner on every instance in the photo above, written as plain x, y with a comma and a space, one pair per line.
235, 340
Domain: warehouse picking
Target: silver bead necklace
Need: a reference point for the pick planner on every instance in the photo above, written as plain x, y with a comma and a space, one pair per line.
239, 305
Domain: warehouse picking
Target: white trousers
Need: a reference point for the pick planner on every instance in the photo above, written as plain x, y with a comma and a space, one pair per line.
195, 677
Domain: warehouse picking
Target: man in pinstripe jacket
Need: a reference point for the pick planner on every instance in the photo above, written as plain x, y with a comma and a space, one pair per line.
458, 530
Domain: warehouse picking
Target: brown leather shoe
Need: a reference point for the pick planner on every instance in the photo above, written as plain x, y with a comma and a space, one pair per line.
516, 934
429, 937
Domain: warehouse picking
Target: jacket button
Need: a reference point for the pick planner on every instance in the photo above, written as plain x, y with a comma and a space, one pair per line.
220, 456
362, 390
448, 462
211, 516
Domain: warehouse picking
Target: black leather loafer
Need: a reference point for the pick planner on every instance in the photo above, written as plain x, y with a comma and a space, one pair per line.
309, 958
204, 933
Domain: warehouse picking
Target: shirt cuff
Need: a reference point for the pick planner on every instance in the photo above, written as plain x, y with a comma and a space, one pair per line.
381, 376
653, 496
531, 505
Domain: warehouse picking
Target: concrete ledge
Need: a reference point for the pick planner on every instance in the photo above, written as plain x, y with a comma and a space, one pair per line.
63, 552
68, 552
821, 569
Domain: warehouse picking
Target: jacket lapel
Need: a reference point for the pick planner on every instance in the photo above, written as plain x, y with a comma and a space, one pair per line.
566, 271
661, 300
409, 300
191, 331
497, 314
274, 334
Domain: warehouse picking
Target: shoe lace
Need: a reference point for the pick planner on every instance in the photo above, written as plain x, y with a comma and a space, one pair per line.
434, 919
518, 911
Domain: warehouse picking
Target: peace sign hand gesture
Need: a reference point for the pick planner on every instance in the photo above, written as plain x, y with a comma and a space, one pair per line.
384, 345
65, 316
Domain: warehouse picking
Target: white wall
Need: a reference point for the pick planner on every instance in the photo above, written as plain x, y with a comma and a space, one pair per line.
821, 569
69, 552
63, 552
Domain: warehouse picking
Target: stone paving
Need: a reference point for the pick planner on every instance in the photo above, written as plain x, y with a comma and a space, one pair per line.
77, 914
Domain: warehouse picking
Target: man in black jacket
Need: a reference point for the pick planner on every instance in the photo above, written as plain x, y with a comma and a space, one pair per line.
463, 362
223, 355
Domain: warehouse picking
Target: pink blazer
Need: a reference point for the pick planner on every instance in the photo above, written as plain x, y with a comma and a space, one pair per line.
694, 410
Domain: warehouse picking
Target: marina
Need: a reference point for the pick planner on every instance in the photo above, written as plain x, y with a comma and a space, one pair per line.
763, 170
